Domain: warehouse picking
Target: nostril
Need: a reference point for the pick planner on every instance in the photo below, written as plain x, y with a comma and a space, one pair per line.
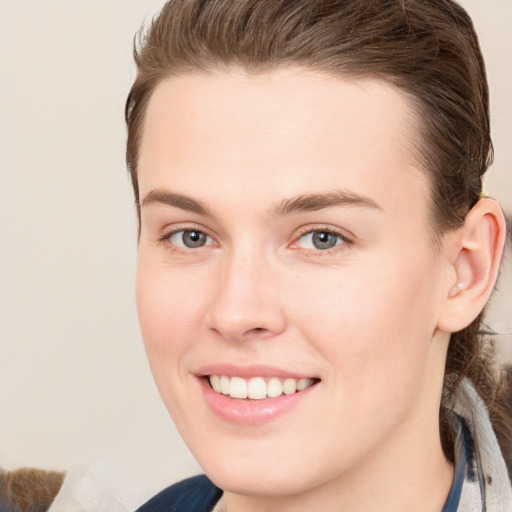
256, 332
237, 321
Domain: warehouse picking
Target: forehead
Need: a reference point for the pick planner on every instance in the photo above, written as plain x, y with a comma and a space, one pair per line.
282, 132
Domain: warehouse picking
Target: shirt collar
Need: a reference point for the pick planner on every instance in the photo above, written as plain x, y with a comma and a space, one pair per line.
481, 482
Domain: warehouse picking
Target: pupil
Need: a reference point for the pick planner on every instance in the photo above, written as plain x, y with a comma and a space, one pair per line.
193, 239
324, 240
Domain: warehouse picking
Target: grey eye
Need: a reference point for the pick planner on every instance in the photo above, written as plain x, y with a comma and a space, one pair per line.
190, 238
193, 238
324, 240
321, 240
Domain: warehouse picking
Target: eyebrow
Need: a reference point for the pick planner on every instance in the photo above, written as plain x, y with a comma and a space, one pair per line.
315, 202
300, 204
159, 196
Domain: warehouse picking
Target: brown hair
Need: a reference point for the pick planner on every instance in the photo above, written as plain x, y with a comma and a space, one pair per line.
427, 48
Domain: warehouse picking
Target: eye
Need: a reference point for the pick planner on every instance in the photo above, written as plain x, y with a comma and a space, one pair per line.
189, 238
321, 240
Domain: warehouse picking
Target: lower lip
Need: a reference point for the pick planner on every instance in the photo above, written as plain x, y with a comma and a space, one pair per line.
251, 412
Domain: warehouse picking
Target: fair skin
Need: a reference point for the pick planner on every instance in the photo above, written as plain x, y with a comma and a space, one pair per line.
240, 275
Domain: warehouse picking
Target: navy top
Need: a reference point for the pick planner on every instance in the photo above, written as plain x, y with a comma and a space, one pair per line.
196, 494
464, 453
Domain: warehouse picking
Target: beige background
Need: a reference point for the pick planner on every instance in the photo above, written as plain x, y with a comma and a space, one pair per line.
75, 386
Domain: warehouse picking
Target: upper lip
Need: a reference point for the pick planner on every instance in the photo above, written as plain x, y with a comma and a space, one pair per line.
247, 372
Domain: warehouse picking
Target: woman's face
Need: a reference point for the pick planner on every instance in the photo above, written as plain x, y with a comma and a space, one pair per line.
286, 241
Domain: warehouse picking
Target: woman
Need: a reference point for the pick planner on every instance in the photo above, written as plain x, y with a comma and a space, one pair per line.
315, 254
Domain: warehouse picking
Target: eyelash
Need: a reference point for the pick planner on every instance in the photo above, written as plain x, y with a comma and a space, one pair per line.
342, 238
166, 238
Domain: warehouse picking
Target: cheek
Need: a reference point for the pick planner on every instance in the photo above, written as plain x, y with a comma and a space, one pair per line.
169, 305
376, 323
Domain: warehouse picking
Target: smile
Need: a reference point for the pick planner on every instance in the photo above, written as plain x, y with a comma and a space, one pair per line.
255, 395
257, 388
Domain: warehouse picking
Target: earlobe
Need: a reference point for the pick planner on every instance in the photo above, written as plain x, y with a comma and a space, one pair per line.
476, 252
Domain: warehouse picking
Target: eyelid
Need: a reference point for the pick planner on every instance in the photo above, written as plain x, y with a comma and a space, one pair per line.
175, 236
170, 231
347, 239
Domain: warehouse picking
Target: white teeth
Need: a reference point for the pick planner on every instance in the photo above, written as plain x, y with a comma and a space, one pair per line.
257, 388
302, 384
215, 382
290, 386
238, 388
224, 385
274, 388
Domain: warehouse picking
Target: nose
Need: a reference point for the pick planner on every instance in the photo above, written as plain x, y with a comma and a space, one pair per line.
247, 301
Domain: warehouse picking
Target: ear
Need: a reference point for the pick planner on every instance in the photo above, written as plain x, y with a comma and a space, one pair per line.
475, 252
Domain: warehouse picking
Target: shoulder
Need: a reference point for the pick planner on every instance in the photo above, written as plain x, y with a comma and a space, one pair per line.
195, 494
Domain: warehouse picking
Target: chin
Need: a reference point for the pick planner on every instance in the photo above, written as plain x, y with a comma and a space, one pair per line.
262, 471
254, 482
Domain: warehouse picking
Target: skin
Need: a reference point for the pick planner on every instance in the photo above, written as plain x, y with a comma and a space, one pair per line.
363, 317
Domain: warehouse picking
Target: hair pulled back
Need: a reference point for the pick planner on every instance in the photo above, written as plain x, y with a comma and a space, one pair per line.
426, 48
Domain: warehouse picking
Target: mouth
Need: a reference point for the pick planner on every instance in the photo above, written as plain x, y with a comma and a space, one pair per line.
258, 388
255, 395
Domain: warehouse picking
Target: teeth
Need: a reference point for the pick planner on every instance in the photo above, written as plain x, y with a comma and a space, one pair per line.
290, 386
215, 382
238, 388
224, 385
274, 388
257, 388
302, 384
